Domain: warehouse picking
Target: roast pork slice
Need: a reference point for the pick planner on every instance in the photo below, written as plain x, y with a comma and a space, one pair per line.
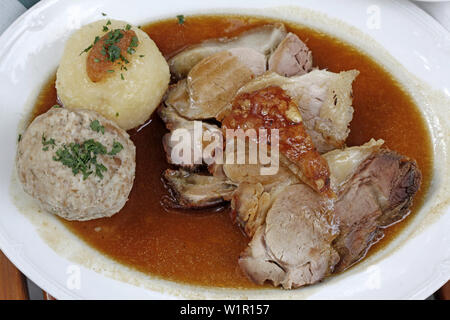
255, 190
251, 173
252, 199
192, 190
291, 58
378, 194
294, 246
299, 237
177, 124
212, 83
344, 163
250, 204
324, 99
262, 39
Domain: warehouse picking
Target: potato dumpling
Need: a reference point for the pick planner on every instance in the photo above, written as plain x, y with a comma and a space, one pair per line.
115, 69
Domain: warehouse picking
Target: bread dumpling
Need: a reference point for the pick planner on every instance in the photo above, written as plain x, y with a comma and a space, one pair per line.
76, 164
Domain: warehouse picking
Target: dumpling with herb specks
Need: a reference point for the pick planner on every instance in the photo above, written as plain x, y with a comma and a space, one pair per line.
76, 164
115, 69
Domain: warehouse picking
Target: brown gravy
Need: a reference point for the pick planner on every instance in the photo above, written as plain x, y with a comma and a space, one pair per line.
202, 247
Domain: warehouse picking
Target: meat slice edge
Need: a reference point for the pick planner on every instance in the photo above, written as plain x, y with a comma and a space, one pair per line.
212, 83
291, 58
293, 247
379, 194
324, 99
271, 108
177, 125
193, 191
375, 188
263, 39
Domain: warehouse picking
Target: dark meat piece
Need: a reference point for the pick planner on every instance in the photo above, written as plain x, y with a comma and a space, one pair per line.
193, 190
379, 194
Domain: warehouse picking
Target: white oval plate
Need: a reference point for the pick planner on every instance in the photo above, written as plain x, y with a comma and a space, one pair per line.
410, 44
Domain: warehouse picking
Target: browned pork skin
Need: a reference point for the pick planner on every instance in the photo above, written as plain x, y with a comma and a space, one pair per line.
324, 99
272, 108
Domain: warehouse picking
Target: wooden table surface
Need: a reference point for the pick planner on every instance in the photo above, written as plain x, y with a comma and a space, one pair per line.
13, 284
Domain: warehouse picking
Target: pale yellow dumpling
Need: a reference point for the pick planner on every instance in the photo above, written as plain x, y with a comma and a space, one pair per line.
129, 93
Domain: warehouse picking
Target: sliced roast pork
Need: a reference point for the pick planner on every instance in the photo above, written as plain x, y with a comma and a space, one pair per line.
192, 190
251, 201
212, 83
294, 246
178, 126
304, 238
291, 58
262, 39
379, 194
324, 99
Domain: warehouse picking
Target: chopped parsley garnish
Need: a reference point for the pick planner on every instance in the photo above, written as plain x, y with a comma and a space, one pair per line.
99, 168
104, 14
128, 27
82, 158
124, 59
117, 147
108, 22
96, 60
56, 106
113, 52
117, 114
121, 76
180, 18
87, 49
20, 135
110, 71
97, 127
47, 142
114, 37
134, 42
105, 28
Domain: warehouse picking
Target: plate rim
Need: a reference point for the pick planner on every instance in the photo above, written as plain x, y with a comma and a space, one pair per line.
53, 289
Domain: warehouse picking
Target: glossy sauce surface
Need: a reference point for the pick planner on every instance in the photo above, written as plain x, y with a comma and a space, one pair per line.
202, 247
